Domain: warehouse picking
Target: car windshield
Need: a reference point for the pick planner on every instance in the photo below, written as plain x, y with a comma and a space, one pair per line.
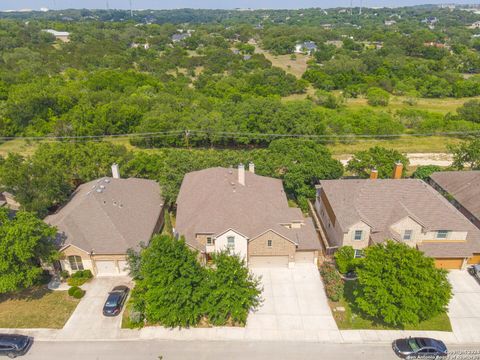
112, 300
413, 344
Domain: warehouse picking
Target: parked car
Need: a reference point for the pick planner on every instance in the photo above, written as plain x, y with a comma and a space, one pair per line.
115, 301
474, 270
13, 345
418, 348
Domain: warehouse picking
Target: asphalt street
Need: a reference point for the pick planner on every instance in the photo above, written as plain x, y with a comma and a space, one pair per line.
183, 350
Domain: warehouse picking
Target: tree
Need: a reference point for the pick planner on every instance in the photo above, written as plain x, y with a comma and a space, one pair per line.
377, 97
470, 111
379, 158
170, 287
25, 242
424, 172
466, 154
399, 285
232, 290
345, 259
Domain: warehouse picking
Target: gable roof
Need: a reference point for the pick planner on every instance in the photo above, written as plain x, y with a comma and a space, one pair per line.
383, 202
109, 215
213, 200
464, 186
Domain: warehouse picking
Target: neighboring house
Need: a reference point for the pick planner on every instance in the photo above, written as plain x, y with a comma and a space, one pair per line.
59, 35
308, 47
360, 213
475, 25
103, 219
8, 200
145, 46
462, 189
389, 22
247, 214
180, 37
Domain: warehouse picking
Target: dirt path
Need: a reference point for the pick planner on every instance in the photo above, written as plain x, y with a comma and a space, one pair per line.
416, 159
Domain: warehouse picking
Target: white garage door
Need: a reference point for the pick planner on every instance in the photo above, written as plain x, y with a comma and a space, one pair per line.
268, 261
304, 257
106, 268
123, 266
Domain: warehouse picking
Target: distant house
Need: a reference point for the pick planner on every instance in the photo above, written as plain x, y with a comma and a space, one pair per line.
144, 46
475, 25
180, 37
63, 36
360, 213
308, 47
336, 43
247, 57
389, 22
462, 189
436, 44
103, 219
246, 214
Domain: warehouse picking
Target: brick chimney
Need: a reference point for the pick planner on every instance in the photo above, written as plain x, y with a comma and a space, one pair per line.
397, 170
115, 171
251, 167
241, 174
374, 174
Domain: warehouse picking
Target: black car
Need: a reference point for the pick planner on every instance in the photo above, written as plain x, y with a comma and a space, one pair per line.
418, 348
474, 270
13, 345
116, 299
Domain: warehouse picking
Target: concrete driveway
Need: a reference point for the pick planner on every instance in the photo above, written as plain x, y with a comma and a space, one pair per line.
464, 308
87, 321
295, 305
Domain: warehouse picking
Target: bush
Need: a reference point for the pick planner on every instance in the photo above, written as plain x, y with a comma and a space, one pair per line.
64, 274
345, 259
424, 172
78, 293
79, 278
332, 280
72, 290
377, 97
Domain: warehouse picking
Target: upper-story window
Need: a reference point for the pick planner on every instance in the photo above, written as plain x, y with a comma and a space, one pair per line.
269, 243
442, 234
209, 240
407, 235
75, 262
358, 235
359, 254
231, 243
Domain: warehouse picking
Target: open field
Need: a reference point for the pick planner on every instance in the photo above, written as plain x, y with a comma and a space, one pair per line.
36, 308
295, 67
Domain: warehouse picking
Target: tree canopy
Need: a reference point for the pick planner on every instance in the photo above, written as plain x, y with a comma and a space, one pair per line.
379, 158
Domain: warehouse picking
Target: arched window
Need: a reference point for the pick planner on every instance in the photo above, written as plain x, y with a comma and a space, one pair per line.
75, 262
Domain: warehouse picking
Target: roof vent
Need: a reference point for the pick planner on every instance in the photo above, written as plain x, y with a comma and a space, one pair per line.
102, 187
107, 180
120, 206
114, 203
99, 190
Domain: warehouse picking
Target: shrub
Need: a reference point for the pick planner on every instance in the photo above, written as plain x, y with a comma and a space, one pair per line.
79, 278
345, 259
424, 172
332, 280
64, 274
377, 97
72, 290
78, 293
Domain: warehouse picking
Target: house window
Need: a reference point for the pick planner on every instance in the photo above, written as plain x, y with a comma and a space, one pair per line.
442, 234
358, 235
231, 243
407, 235
75, 262
359, 254
209, 240
269, 243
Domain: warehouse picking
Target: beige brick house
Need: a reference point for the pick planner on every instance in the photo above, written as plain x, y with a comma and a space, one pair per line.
248, 214
103, 219
364, 212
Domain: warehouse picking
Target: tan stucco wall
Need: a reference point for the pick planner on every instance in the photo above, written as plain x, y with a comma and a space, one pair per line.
332, 229
202, 238
280, 246
74, 251
348, 238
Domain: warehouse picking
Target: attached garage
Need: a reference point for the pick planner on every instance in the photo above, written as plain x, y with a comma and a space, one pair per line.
449, 263
304, 257
106, 268
268, 261
475, 259
123, 267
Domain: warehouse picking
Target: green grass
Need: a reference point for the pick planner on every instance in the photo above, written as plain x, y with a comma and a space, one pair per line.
126, 323
37, 307
353, 319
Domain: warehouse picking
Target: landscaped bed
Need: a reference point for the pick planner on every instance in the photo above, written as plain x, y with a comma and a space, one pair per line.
36, 307
352, 317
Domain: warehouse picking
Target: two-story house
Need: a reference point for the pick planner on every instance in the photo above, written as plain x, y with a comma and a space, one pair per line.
364, 212
247, 214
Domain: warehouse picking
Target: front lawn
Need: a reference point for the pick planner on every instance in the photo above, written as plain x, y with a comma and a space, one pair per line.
352, 317
36, 307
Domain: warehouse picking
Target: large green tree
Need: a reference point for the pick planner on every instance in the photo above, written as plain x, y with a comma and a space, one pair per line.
466, 154
25, 242
379, 158
399, 285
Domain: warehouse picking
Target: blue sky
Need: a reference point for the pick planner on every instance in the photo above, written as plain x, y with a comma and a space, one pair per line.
206, 4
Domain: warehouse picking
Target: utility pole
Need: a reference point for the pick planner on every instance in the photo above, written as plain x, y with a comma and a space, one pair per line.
107, 6
351, 7
360, 13
131, 9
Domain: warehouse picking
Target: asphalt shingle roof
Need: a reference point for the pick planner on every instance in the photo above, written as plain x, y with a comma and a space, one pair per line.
213, 201
110, 215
